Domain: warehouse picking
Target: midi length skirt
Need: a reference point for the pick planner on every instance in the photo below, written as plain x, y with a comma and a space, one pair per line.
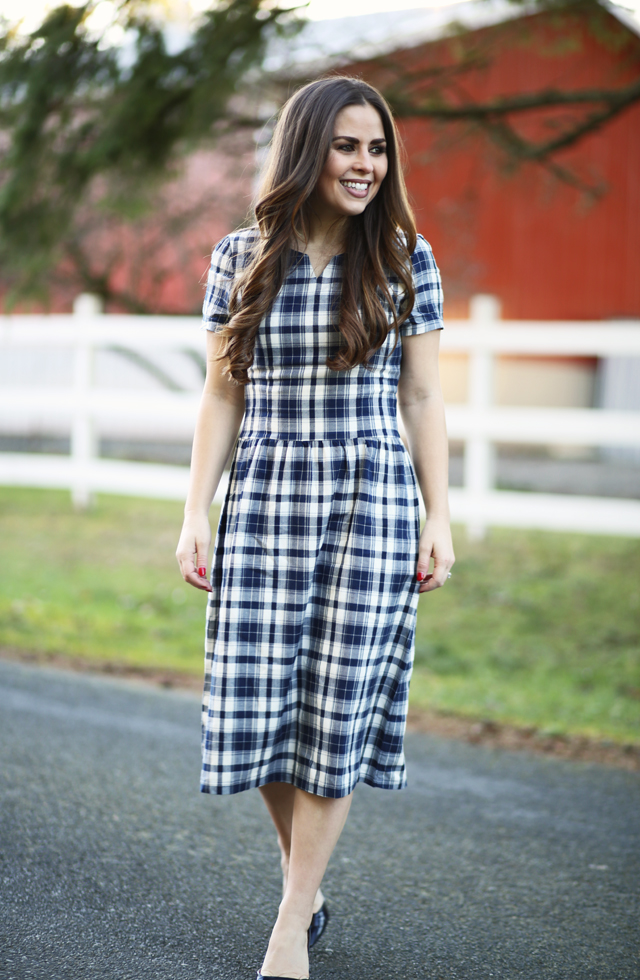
311, 621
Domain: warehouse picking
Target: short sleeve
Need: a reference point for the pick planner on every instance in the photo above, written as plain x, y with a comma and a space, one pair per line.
215, 309
427, 309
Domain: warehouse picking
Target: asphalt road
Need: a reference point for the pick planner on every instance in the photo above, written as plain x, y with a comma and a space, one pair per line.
114, 866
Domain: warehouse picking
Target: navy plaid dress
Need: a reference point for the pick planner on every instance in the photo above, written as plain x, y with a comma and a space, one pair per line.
311, 622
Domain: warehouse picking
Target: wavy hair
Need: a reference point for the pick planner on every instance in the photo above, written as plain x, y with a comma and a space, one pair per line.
378, 242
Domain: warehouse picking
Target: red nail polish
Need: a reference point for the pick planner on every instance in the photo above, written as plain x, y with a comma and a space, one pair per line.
421, 576
202, 571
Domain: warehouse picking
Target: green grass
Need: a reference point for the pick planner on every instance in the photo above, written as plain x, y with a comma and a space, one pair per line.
533, 629
538, 629
102, 585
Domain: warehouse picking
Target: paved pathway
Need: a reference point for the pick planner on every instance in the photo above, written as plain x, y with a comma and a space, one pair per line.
115, 867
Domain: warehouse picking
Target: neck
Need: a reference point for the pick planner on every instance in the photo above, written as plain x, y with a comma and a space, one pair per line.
326, 232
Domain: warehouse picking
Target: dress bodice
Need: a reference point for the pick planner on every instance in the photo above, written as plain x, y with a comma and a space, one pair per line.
292, 394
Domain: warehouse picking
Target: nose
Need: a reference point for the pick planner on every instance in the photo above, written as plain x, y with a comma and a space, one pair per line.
364, 161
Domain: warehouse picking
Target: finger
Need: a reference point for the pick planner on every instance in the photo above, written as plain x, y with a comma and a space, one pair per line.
192, 578
440, 573
201, 560
428, 585
185, 561
422, 567
437, 578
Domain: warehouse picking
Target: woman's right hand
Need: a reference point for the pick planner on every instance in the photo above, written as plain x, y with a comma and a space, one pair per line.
193, 549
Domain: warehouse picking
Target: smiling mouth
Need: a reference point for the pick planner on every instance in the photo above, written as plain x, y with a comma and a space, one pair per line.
357, 188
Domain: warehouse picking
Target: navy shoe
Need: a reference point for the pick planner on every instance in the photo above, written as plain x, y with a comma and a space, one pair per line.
318, 925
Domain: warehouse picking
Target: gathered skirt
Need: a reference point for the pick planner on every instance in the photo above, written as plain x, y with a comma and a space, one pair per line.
311, 621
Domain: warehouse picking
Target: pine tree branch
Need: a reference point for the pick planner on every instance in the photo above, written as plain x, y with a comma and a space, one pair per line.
615, 100
73, 113
493, 117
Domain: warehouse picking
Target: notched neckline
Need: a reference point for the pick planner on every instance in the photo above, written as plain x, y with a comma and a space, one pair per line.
310, 264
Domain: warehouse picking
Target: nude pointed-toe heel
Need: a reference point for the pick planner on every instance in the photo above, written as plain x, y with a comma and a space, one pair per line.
263, 976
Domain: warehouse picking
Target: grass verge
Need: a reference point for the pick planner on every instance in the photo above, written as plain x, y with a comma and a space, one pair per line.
534, 630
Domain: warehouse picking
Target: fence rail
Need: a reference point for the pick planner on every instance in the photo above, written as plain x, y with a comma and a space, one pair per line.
479, 424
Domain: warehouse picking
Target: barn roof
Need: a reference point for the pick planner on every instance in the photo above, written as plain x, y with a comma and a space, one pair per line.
330, 43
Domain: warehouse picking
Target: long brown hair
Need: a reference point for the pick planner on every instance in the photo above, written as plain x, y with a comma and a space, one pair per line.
378, 244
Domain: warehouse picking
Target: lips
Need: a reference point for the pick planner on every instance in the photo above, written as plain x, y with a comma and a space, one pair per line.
356, 188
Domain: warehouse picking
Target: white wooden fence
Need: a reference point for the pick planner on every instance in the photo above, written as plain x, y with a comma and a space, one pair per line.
479, 424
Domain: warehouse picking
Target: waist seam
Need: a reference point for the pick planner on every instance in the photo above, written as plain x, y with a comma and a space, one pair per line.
393, 439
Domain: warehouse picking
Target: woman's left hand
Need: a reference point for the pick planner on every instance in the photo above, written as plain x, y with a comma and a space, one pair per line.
436, 543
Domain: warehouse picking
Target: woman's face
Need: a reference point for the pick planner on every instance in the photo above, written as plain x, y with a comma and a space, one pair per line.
356, 165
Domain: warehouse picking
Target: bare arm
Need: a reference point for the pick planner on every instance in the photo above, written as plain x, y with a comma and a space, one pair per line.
219, 418
422, 411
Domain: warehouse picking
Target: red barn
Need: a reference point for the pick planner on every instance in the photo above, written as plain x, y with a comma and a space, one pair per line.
547, 249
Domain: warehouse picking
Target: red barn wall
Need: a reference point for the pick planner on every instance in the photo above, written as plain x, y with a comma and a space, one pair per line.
546, 249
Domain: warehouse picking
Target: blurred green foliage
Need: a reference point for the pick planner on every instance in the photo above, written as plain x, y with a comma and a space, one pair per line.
87, 121
534, 628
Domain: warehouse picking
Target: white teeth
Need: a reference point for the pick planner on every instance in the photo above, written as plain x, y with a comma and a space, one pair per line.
355, 185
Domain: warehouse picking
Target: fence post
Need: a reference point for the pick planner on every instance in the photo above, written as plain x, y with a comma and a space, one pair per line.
479, 452
84, 445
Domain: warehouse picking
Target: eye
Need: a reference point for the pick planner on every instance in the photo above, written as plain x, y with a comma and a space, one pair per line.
378, 150
345, 146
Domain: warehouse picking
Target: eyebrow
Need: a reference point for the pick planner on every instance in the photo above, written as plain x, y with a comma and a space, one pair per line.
354, 139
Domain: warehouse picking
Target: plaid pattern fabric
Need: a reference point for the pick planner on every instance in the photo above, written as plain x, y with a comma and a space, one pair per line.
311, 622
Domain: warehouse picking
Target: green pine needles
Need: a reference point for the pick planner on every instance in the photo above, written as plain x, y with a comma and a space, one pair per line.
100, 119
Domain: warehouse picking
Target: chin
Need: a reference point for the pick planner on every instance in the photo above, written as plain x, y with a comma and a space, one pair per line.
354, 208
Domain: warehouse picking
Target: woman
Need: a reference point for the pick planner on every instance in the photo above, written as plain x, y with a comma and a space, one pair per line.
321, 319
